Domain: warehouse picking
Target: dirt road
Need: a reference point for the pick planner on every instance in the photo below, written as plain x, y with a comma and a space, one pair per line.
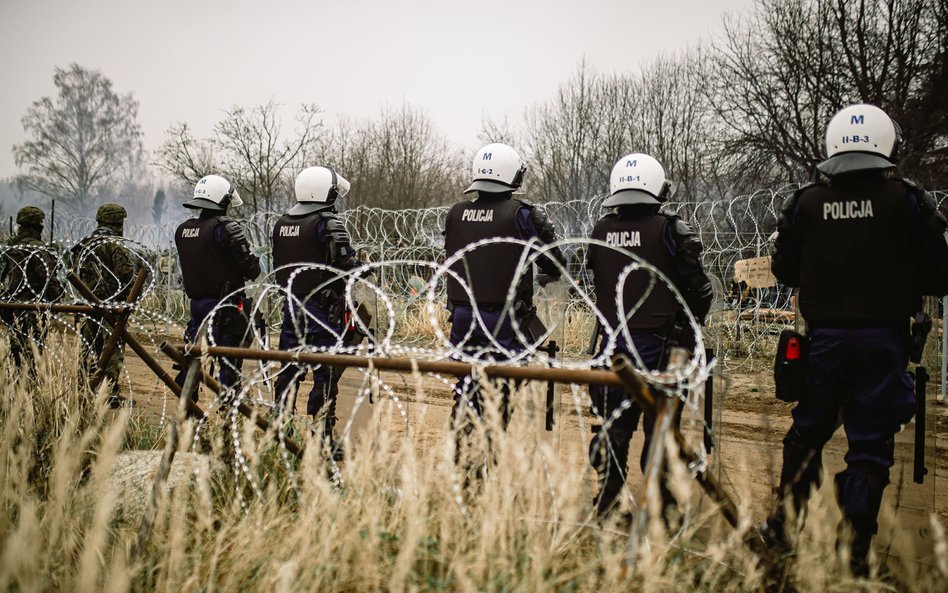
748, 428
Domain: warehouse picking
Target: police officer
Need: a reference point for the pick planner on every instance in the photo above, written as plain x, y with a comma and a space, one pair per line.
216, 261
311, 233
863, 246
107, 267
490, 270
653, 317
27, 274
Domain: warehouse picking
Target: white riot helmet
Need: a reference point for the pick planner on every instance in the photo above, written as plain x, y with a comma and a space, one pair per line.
214, 193
498, 168
316, 188
637, 179
860, 138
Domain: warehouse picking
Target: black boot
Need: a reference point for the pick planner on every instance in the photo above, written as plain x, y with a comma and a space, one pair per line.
335, 446
859, 490
322, 406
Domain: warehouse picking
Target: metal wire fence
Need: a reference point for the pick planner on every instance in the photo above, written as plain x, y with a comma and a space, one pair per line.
404, 247
402, 284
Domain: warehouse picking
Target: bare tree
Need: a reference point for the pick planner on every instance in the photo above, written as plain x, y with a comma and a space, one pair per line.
250, 148
186, 158
256, 155
575, 138
158, 206
499, 131
783, 71
671, 119
397, 161
82, 142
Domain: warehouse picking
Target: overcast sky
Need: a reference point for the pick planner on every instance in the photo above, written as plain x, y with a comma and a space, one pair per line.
186, 60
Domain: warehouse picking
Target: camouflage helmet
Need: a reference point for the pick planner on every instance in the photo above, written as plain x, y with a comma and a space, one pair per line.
111, 213
30, 215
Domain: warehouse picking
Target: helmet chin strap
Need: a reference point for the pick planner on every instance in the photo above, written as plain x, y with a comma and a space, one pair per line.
897, 145
333, 192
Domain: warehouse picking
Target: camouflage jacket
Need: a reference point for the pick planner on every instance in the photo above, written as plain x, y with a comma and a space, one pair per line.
105, 264
27, 269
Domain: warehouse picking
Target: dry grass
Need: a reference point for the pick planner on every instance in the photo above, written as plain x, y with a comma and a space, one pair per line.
395, 517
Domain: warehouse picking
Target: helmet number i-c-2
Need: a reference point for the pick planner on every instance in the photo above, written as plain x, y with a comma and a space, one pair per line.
497, 168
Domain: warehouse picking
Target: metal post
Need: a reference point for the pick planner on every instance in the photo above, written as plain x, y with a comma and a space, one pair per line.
944, 349
708, 405
551, 350
919, 469
52, 220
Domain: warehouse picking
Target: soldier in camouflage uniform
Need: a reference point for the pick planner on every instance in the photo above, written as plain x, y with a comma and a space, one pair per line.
105, 266
26, 275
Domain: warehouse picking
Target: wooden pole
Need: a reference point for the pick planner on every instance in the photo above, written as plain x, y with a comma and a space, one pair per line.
49, 308
664, 412
646, 399
118, 330
147, 358
175, 353
408, 365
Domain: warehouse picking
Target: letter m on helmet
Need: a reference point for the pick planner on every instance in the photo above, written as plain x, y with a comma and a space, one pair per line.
487, 156
857, 119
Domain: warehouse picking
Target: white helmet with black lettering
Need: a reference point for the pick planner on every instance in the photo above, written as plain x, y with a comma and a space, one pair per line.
498, 168
316, 188
214, 193
637, 178
860, 138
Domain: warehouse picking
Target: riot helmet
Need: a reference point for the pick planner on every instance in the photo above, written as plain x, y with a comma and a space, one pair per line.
497, 168
860, 138
214, 193
637, 178
317, 188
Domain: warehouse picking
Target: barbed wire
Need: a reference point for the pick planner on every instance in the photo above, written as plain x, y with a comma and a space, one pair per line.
741, 326
402, 286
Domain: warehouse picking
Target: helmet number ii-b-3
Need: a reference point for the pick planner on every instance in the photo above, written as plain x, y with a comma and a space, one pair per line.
858, 138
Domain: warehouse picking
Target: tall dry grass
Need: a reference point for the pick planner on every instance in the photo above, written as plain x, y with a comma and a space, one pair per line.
393, 517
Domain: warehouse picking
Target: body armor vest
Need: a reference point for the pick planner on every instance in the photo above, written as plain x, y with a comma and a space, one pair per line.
295, 241
206, 269
856, 262
487, 270
644, 237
